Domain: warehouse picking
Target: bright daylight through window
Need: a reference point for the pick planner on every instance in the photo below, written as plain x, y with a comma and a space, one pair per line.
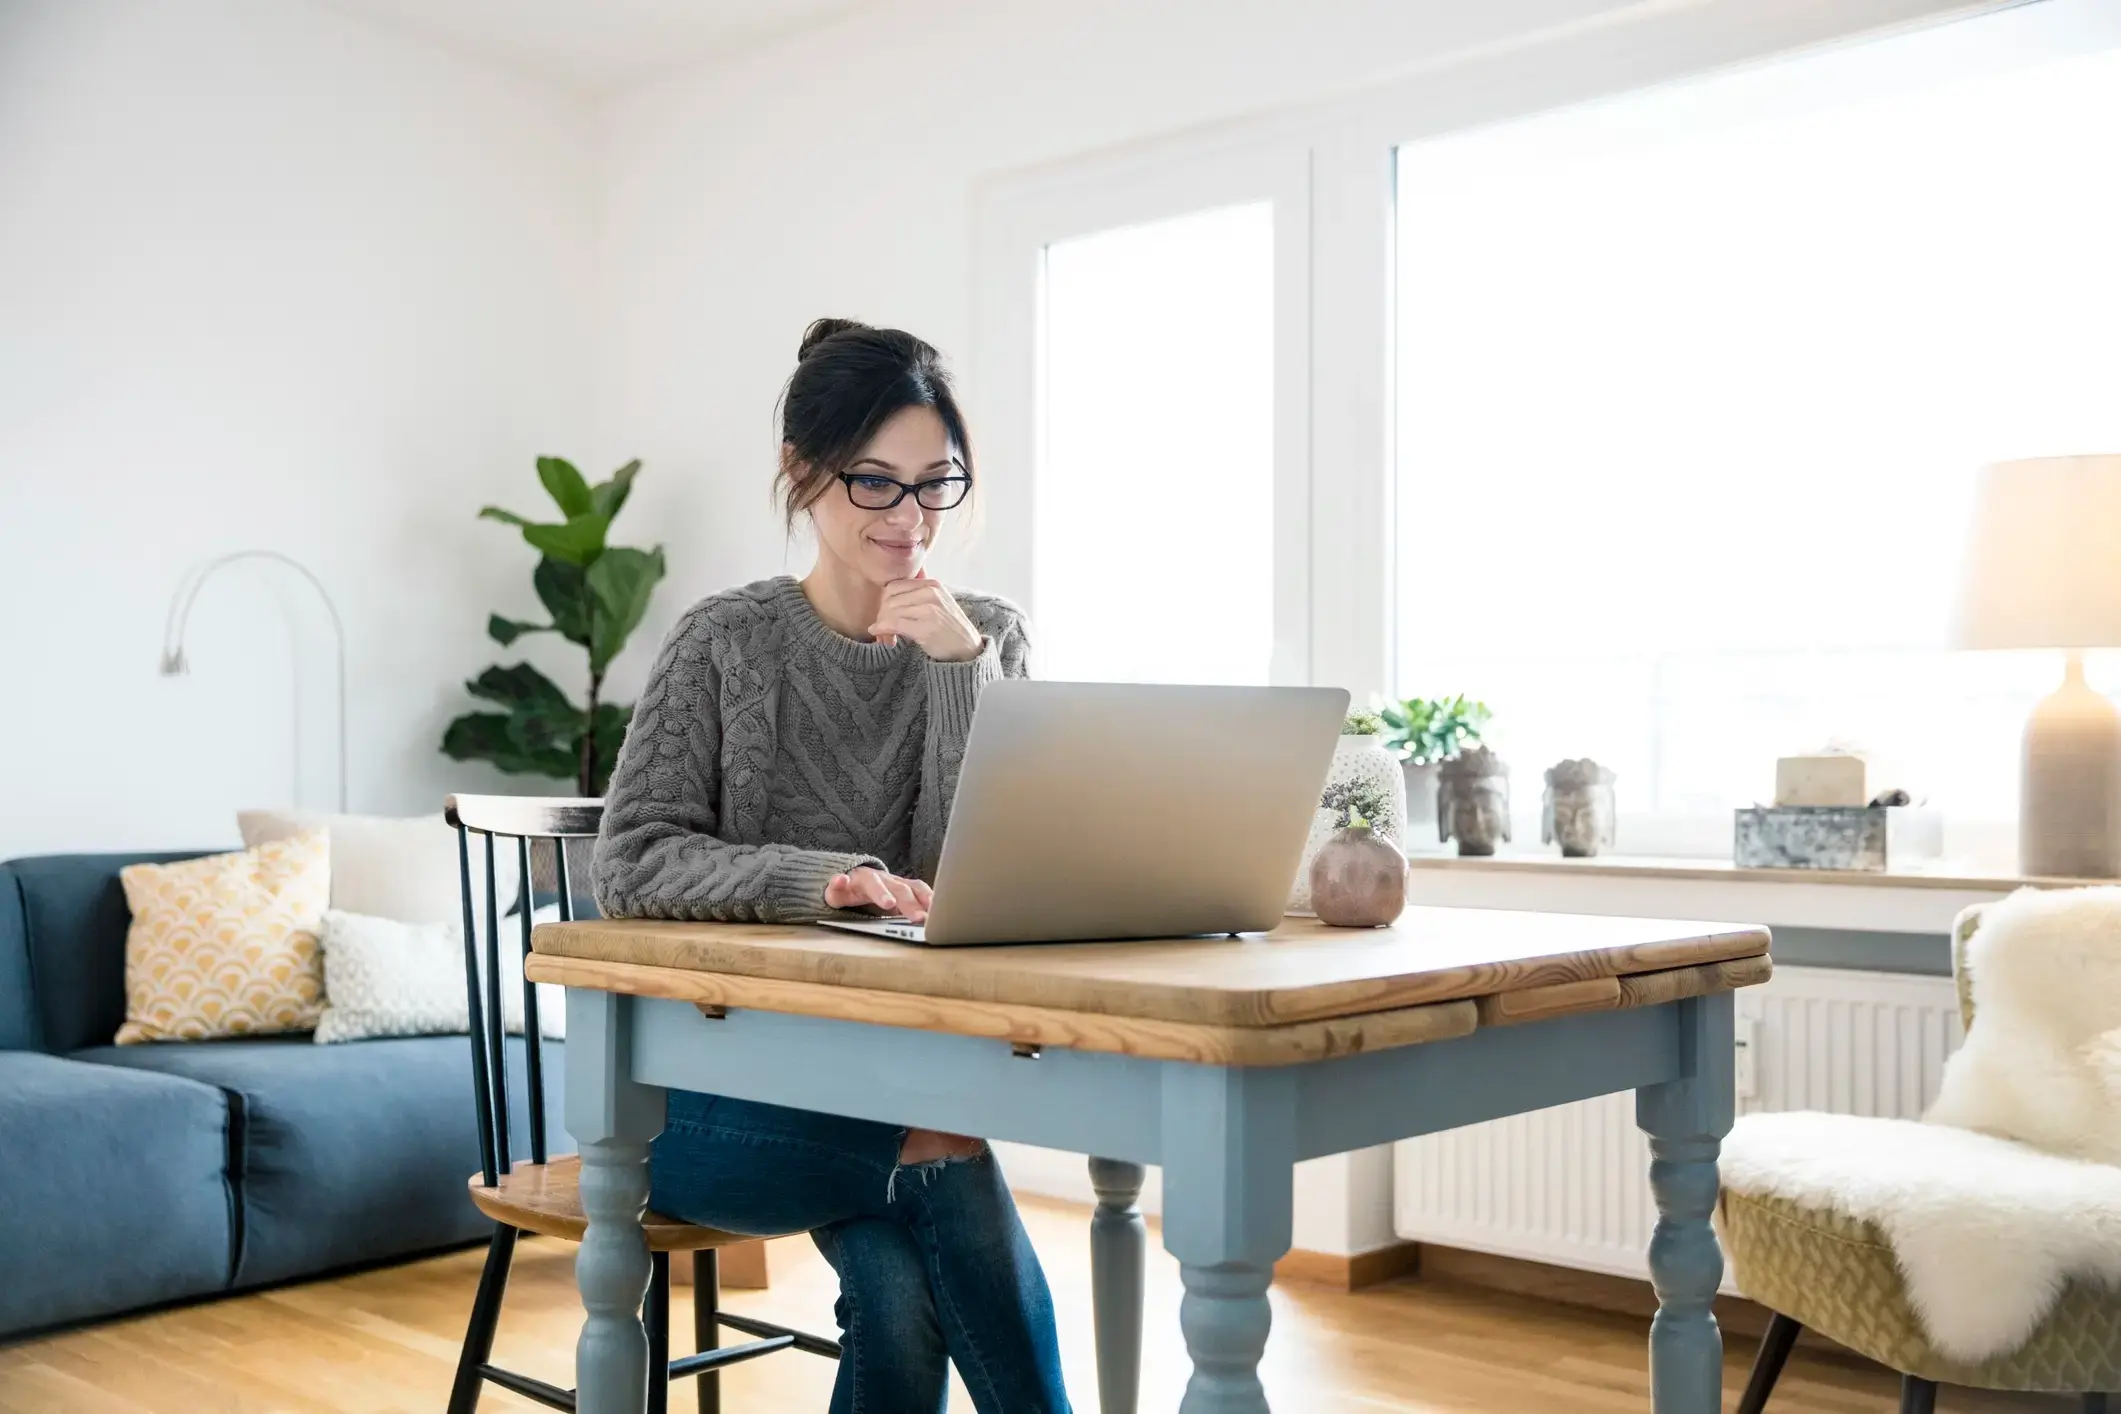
1155, 484
1691, 390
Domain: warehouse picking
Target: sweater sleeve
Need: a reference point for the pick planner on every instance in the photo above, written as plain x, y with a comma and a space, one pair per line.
953, 693
659, 853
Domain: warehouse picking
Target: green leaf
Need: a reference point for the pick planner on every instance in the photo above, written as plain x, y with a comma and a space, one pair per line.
1438, 729
506, 631
565, 485
505, 517
606, 497
578, 542
563, 589
537, 727
520, 685
541, 727
1362, 722
621, 581
485, 736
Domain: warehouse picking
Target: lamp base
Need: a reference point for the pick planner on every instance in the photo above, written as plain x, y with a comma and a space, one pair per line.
2069, 811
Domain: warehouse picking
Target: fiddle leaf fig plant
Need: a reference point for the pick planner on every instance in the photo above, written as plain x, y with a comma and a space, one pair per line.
595, 595
1424, 730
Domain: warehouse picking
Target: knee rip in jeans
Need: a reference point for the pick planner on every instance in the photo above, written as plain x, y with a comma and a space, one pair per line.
925, 1170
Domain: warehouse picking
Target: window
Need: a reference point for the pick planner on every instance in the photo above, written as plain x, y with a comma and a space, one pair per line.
1691, 389
1154, 494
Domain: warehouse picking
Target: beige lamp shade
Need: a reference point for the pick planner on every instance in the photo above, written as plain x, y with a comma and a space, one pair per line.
2043, 566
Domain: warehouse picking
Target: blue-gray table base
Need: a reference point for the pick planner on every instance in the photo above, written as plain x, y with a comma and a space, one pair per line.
1228, 1139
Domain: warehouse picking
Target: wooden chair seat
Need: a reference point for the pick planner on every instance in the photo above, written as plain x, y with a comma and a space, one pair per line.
547, 1199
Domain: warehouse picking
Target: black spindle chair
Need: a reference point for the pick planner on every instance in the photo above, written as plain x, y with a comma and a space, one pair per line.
541, 1194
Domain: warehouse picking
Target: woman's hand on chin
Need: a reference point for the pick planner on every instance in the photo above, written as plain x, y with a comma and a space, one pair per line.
922, 610
873, 888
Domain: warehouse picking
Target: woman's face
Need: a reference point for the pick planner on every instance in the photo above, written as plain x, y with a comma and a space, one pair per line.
883, 545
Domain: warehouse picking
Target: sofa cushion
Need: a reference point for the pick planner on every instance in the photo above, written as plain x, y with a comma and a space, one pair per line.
115, 1192
75, 918
19, 1030
406, 870
226, 945
350, 1153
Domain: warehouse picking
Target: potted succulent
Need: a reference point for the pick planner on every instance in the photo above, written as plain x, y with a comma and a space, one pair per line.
1358, 878
1364, 764
1425, 732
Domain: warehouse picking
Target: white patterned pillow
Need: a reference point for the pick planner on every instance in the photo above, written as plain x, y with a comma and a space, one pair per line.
385, 978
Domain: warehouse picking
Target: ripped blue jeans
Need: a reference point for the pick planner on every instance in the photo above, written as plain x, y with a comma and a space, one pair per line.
934, 1264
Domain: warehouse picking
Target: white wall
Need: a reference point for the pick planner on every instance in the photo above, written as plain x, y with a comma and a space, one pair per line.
268, 277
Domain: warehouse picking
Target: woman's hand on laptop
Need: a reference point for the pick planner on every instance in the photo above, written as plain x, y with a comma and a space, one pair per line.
887, 893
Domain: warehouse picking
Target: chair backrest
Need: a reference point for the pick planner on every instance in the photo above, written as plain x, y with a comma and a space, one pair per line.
520, 822
1964, 927
2040, 973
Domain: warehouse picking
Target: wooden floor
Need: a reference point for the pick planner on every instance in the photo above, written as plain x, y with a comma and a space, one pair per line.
385, 1342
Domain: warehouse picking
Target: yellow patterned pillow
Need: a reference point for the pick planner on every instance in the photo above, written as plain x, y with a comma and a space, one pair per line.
226, 945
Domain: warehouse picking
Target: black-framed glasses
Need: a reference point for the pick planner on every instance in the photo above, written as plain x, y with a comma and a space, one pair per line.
880, 493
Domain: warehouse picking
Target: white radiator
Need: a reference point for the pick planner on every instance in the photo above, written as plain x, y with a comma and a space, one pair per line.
1570, 1185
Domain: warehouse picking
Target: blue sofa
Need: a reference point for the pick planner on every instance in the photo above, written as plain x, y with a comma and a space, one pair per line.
138, 1175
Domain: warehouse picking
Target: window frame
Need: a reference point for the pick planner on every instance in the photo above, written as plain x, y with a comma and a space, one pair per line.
1019, 218
1336, 617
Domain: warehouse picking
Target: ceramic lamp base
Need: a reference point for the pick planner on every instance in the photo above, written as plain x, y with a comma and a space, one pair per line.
2069, 812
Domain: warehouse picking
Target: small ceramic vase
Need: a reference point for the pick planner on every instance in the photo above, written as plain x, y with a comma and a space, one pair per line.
1358, 761
1358, 880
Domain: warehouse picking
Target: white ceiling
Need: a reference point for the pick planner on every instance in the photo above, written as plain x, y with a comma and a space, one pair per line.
599, 45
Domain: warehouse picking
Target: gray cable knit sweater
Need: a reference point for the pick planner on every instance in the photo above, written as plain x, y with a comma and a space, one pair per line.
769, 752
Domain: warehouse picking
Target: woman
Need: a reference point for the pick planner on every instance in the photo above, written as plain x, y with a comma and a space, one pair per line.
795, 752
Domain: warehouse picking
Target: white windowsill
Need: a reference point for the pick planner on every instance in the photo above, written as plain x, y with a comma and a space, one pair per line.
1900, 901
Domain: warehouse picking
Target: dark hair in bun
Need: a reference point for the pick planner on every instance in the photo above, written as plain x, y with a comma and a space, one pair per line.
850, 379
823, 329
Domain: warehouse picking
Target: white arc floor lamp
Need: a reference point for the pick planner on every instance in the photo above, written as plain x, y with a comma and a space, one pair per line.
2043, 570
174, 663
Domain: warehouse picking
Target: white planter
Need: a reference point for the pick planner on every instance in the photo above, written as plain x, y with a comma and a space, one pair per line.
1356, 758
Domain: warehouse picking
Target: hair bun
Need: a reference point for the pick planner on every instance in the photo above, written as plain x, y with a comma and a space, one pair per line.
823, 329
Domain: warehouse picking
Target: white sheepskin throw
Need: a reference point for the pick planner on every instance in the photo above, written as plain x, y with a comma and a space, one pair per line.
1985, 1231
2042, 1063
2009, 1186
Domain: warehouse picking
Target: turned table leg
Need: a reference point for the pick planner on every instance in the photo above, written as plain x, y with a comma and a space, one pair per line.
1686, 1120
612, 1118
1119, 1246
1229, 1170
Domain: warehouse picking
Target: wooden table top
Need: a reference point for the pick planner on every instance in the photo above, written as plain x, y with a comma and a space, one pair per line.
1303, 991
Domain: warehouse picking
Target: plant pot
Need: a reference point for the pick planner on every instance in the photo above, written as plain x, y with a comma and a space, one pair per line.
1358, 880
1357, 760
1420, 779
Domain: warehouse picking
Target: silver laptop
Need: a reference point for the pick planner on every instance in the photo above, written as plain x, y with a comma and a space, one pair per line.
1124, 810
